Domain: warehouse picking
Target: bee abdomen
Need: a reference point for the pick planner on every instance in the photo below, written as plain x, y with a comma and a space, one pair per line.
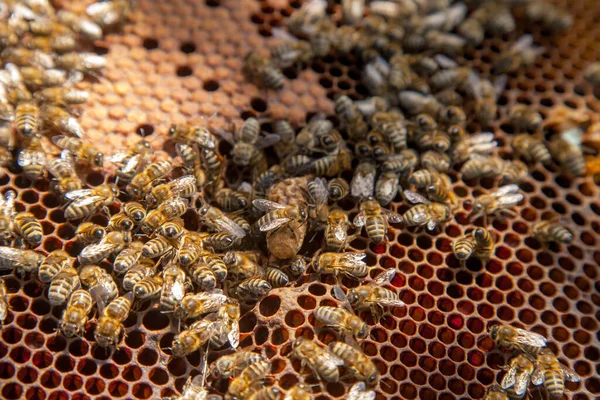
276, 277
554, 383
463, 248
376, 229
28, 227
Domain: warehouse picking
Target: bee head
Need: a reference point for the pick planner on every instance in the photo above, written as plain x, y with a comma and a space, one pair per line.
99, 159
372, 379
172, 130
352, 296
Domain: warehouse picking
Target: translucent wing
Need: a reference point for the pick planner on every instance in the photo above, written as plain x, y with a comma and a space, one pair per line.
510, 199
77, 194
384, 278
414, 197
276, 223
537, 378
510, 378
522, 43
229, 226
327, 358
359, 220
392, 303
356, 389
529, 338
184, 181
132, 164
504, 190
283, 35
484, 137
318, 191
353, 258
233, 336
10, 254
266, 205
225, 135
95, 249
91, 200
267, 140
500, 84
339, 294
362, 185
419, 216
431, 224
27, 157
392, 216
339, 231
521, 384
570, 374
445, 62
100, 294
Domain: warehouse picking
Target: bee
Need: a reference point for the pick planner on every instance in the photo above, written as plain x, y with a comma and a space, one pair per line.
120, 222
303, 21
191, 339
291, 51
75, 315
110, 325
144, 268
552, 374
495, 392
298, 392
321, 360
140, 182
57, 119
517, 376
88, 232
128, 257
32, 158
401, 163
194, 389
266, 393
184, 186
265, 180
86, 201
159, 246
361, 366
353, 119
435, 160
22, 260
112, 243
482, 167
363, 180
592, 73
375, 219
191, 248
287, 135
173, 288
100, 283
82, 150
525, 118
148, 287
229, 330
549, 231
568, 155
187, 134
193, 305
276, 277
216, 220
449, 78
63, 169
248, 143
130, 161
202, 276
497, 202
253, 289
22, 57
472, 30
241, 222
277, 214
338, 188
26, 226
7, 214
444, 42
26, 118
476, 146
485, 94
549, 16
529, 343
86, 63
426, 213
217, 242
249, 380
79, 24
262, 72
400, 74
484, 244
3, 301
393, 129
386, 188
172, 229
230, 200
61, 96
330, 165
342, 320
531, 148
297, 266
425, 178
336, 232
514, 172
233, 364
169, 209
53, 264
318, 209
373, 296
63, 284
134, 210
349, 264
464, 247
521, 54
106, 13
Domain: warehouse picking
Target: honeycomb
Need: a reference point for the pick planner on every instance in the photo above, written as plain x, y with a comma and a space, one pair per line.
181, 60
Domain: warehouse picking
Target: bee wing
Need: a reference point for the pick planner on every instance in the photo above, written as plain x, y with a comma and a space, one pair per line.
27, 157
118, 157
225, 135
384, 278
276, 223
414, 197
505, 190
10, 254
85, 201
233, 336
529, 338
431, 224
362, 185
100, 295
353, 258
339, 294
392, 216
96, 248
77, 194
484, 137
359, 220
283, 35
392, 303
570, 374
445, 62
184, 181
339, 231
521, 384
231, 227
500, 84
325, 357
475, 85
522, 43
510, 378
267, 141
510, 200
537, 378
318, 191
132, 164
266, 205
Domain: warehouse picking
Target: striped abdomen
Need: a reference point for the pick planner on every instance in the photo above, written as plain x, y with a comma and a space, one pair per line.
29, 227
376, 228
26, 120
554, 383
62, 286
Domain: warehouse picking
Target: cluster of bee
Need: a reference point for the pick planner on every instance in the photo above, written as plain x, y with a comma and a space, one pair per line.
533, 363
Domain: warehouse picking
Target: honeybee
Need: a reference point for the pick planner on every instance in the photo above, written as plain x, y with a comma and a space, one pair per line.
22, 260
517, 376
173, 289
86, 63
529, 343
425, 178
485, 94
521, 54
202, 276
359, 391
216, 265
193, 305
298, 392
79, 24
241, 265
362, 367
265, 180
158, 247
100, 283
112, 243
216, 220
525, 118
184, 186
120, 222
134, 210
342, 320
495, 392
110, 325
233, 364
63, 169
26, 118
128, 257
484, 244
247, 143
425, 212
568, 154
363, 180
86, 201
552, 374
140, 182
276, 277
373, 296
169, 209
191, 339
531, 148
482, 167
472, 30
304, 20
336, 232
63, 284
291, 51
193, 135
57, 119
7, 214
464, 247
297, 266
88, 232
514, 172
3, 301
353, 119
148, 287
144, 268
82, 150
194, 390
548, 231
53, 264
338, 188
375, 219
32, 158
480, 145
229, 329
75, 316
249, 380
321, 360
111, 12
277, 214
130, 161
253, 289
497, 202
549, 16
349, 264
262, 72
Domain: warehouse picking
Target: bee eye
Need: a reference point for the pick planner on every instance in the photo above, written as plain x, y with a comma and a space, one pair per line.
172, 130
